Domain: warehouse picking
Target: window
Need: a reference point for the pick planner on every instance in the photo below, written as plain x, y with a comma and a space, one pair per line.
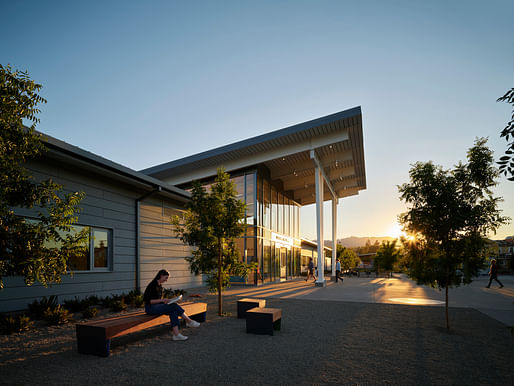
266, 205
250, 199
274, 210
97, 256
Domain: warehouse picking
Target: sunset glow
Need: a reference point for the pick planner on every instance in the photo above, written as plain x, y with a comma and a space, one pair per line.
396, 231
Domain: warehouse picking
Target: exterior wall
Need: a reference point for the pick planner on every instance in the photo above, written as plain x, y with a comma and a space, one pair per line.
111, 205
160, 248
106, 205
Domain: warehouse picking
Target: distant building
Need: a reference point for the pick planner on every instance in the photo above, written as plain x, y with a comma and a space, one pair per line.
310, 250
366, 260
505, 255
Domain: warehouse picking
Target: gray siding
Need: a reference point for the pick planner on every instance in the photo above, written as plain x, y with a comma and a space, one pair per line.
160, 248
112, 205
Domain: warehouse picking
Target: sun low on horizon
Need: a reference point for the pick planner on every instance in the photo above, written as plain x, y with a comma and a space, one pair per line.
395, 231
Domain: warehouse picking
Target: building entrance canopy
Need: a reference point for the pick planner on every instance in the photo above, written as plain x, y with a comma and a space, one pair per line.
333, 144
302, 160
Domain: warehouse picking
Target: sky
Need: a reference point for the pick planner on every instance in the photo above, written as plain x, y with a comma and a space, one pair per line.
143, 83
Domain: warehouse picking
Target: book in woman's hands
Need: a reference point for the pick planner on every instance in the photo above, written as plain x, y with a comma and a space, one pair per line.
174, 300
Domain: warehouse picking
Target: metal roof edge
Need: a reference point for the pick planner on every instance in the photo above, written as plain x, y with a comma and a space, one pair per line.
76, 152
313, 243
299, 127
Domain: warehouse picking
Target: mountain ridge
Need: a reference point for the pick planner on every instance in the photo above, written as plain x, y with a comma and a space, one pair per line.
356, 241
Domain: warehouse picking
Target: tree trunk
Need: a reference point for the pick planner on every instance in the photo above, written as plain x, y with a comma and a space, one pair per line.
220, 302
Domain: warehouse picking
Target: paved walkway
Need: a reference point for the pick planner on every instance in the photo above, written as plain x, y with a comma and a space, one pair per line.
494, 302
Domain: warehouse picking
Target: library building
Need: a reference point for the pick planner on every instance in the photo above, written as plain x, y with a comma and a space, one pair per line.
127, 212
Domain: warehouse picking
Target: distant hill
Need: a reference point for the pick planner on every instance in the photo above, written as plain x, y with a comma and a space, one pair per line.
354, 241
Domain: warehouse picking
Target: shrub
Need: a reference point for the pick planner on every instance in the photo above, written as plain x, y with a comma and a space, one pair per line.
118, 305
93, 300
10, 324
76, 305
89, 312
170, 293
134, 298
178, 292
167, 292
58, 315
38, 307
107, 301
137, 301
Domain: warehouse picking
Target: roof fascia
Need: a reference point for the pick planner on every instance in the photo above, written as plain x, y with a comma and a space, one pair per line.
108, 168
255, 140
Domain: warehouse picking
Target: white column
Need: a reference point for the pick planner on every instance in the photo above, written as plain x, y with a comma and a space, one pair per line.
320, 282
334, 236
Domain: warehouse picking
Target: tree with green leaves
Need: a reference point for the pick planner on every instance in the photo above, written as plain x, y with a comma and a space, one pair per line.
506, 162
347, 257
387, 256
211, 223
450, 214
38, 249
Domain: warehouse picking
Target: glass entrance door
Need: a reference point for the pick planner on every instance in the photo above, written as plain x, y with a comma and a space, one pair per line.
283, 263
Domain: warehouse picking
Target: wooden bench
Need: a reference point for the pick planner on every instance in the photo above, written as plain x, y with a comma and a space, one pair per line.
94, 337
246, 304
263, 320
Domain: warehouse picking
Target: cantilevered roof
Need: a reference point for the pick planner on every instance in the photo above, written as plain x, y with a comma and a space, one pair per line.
335, 140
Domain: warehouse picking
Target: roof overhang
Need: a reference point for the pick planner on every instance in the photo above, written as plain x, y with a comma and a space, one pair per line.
334, 143
73, 155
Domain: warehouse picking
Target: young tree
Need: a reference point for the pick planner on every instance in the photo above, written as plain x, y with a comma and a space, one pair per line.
212, 223
506, 162
38, 250
347, 257
387, 255
451, 212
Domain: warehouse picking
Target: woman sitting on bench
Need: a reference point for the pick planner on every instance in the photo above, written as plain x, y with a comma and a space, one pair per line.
155, 304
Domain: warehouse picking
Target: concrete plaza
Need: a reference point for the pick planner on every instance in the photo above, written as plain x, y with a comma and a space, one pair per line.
494, 302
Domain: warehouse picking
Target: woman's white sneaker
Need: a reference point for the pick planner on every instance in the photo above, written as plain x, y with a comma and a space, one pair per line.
179, 337
193, 323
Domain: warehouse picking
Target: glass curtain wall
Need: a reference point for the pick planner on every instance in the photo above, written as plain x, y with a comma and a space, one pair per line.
272, 237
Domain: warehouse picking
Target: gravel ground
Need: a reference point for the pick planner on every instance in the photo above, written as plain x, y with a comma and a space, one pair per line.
320, 342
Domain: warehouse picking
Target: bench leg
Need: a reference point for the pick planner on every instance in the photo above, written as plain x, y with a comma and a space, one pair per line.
200, 318
92, 341
261, 324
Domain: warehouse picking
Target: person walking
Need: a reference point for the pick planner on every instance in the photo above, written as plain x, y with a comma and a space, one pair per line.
493, 274
310, 270
338, 271
155, 304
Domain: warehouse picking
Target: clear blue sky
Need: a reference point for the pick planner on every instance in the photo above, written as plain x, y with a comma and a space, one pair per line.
142, 83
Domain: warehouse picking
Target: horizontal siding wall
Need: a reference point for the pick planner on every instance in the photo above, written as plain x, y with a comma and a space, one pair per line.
161, 249
108, 204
